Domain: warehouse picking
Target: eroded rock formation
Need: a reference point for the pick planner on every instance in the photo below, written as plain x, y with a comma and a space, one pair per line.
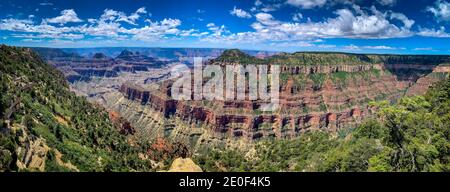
340, 99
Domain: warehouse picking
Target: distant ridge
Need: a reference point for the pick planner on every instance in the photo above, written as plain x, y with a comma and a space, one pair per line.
99, 56
329, 58
51, 53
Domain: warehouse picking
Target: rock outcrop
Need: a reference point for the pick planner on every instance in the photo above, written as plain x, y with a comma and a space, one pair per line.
79, 68
184, 165
124, 125
33, 155
135, 92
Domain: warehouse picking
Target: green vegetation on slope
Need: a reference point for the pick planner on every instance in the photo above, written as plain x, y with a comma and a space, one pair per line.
235, 55
340, 78
330, 58
41, 120
413, 135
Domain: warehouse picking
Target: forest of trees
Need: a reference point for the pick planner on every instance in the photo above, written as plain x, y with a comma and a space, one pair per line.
36, 104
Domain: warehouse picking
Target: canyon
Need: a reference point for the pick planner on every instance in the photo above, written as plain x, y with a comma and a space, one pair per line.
318, 91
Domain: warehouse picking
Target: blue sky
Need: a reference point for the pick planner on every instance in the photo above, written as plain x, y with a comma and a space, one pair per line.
378, 26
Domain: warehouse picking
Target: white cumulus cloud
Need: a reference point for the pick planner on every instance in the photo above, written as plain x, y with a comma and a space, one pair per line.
433, 33
401, 17
113, 15
306, 4
240, 13
353, 23
108, 25
441, 10
67, 16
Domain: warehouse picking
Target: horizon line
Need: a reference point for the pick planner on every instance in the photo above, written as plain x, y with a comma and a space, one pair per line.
262, 50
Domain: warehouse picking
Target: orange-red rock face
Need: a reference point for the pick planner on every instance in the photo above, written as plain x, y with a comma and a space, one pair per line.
124, 126
134, 92
423, 83
303, 107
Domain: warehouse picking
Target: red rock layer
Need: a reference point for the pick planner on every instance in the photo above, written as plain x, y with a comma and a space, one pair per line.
303, 108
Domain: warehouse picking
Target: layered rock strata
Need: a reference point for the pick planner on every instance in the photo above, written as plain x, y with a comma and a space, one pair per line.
303, 108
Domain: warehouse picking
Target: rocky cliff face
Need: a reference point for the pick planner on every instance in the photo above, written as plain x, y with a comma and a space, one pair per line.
327, 96
424, 82
313, 97
135, 92
251, 126
79, 68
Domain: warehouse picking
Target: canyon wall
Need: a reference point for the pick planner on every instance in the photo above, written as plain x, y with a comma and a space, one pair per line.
331, 107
